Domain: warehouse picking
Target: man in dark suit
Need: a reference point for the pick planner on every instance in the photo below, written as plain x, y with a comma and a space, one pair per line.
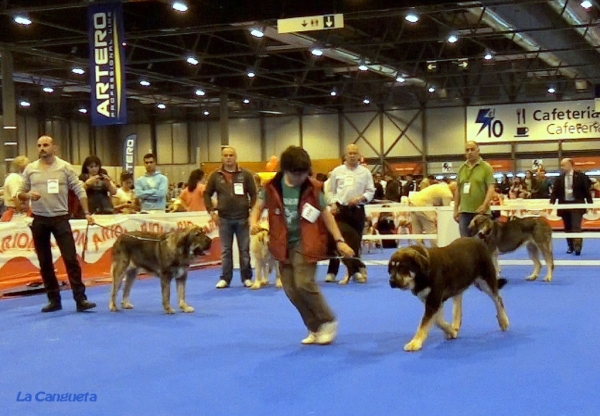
571, 187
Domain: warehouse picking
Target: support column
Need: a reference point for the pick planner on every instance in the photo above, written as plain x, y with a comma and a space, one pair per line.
381, 140
263, 137
340, 132
9, 147
424, 142
224, 118
300, 128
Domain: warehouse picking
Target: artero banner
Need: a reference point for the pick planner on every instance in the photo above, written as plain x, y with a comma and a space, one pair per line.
527, 122
107, 65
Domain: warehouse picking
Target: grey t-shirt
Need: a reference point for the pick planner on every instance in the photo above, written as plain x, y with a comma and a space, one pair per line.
52, 183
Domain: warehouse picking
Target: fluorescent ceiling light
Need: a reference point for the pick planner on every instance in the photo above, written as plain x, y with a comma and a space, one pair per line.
452, 38
24, 103
400, 78
206, 112
412, 17
192, 60
180, 6
22, 20
145, 83
246, 101
317, 52
83, 110
488, 56
49, 90
78, 71
586, 4
251, 74
200, 92
161, 106
366, 100
333, 93
551, 90
257, 33
431, 89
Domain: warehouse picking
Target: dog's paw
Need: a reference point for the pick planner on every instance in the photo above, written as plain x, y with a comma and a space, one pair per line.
548, 279
169, 311
503, 322
112, 307
451, 333
186, 308
256, 285
531, 277
278, 284
413, 345
126, 305
345, 280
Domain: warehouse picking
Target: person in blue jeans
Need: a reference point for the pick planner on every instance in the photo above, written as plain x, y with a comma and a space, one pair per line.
236, 194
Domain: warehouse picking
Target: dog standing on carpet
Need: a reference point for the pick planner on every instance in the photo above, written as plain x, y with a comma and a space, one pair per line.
437, 274
166, 255
506, 237
264, 262
355, 268
370, 244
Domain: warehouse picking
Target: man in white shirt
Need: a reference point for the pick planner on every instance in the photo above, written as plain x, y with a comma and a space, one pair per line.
351, 186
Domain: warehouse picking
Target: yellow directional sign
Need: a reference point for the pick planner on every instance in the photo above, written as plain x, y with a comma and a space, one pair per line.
307, 23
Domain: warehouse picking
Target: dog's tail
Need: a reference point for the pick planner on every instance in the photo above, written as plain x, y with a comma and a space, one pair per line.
501, 283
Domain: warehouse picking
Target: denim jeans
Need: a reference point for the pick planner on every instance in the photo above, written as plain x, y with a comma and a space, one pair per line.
241, 230
464, 219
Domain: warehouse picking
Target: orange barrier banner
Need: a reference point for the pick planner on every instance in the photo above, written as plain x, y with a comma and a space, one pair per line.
18, 260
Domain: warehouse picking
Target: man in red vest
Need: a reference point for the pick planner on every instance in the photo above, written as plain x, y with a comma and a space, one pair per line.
299, 223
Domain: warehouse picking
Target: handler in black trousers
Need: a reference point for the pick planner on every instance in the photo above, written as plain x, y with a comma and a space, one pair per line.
571, 187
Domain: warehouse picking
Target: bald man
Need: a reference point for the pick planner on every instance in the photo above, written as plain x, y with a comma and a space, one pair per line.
475, 188
571, 187
46, 183
351, 186
236, 194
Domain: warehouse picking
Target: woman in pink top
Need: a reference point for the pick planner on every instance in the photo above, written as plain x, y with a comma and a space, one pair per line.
192, 196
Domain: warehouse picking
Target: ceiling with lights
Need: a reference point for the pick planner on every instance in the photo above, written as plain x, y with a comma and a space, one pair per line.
183, 57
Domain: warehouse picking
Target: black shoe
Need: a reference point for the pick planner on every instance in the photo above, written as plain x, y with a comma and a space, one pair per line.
84, 305
52, 306
569, 251
578, 252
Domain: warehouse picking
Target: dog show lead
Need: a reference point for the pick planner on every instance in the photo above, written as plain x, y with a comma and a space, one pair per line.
299, 222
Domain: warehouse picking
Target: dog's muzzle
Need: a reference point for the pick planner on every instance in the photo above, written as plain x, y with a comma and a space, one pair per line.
393, 283
206, 243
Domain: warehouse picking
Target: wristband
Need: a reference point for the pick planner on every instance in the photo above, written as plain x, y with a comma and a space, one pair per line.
341, 240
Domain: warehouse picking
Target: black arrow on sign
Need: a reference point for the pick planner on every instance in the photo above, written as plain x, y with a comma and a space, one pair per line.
304, 23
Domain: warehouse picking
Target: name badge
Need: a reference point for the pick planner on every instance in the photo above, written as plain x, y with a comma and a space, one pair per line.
52, 186
238, 188
349, 180
310, 213
467, 188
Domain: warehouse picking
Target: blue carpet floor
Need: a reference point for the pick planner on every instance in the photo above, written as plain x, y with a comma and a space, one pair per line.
240, 353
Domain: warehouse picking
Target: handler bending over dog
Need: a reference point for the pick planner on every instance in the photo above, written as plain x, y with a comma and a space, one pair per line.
299, 221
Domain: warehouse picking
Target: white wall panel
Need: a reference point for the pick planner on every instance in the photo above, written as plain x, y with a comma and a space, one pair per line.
244, 136
181, 148
320, 136
445, 130
411, 143
214, 141
281, 132
356, 123
164, 144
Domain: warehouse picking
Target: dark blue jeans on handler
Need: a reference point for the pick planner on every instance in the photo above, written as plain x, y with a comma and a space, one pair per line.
241, 230
464, 219
41, 229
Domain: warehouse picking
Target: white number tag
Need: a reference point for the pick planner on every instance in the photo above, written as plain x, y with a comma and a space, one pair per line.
348, 181
52, 186
310, 213
238, 188
467, 188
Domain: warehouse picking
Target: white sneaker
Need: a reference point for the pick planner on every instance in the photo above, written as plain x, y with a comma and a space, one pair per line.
330, 278
222, 284
310, 339
326, 333
248, 283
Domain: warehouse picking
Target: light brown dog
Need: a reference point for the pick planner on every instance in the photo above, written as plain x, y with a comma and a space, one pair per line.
264, 263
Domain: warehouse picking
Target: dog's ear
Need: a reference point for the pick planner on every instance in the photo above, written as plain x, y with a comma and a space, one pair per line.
421, 258
394, 260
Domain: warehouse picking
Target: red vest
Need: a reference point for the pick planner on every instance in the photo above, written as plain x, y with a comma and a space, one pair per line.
313, 236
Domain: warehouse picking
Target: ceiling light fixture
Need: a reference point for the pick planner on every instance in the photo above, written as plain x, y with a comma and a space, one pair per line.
251, 73
431, 89
257, 33
452, 38
246, 101
83, 110
400, 78
144, 83
78, 71
180, 6
586, 4
24, 103
22, 20
161, 106
48, 90
333, 92
366, 100
317, 52
412, 17
200, 92
551, 90
206, 112
488, 56
192, 60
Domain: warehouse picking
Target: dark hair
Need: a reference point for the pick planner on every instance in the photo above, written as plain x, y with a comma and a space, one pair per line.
195, 176
295, 159
126, 176
91, 160
321, 177
149, 155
